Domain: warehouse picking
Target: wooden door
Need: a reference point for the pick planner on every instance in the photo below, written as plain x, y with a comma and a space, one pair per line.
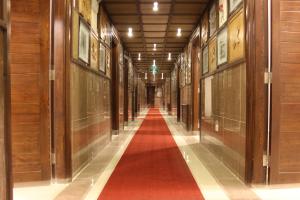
29, 59
285, 143
5, 156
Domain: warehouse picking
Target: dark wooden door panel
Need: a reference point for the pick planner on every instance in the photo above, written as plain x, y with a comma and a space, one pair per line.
29, 52
285, 146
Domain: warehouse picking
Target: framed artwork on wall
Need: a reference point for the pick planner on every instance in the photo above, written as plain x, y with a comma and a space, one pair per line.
85, 9
204, 29
102, 58
234, 4
236, 34
212, 54
94, 52
223, 12
108, 62
212, 20
205, 62
84, 42
94, 15
222, 47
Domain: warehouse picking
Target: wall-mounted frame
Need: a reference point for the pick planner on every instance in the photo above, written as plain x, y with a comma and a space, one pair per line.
222, 47
102, 58
85, 9
212, 54
204, 29
223, 12
233, 4
212, 20
108, 62
94, 52
205, 62
236, 35
84, 42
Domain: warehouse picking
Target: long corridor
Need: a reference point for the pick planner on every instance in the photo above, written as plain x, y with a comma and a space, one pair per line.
152, 167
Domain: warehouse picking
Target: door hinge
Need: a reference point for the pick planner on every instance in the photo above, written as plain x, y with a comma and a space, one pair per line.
53, 158
268, 77
266, 160
51, 74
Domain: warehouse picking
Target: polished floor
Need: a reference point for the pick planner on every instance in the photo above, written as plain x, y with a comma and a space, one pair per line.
204, 171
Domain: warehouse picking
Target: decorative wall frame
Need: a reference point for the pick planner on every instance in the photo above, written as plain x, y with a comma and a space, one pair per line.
108, 62
102, 58
236, 35
212, 20
85, 9
204, 29
205, 62
94, 15
234, 4
105, 27
94, 52
75, 34
222, 47
223, 12
84, 42
212, 54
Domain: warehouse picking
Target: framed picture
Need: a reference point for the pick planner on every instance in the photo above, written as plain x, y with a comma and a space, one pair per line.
85, 9
234, 4
75, 33
236, 37
212, 20
94, 15
94, 52
222, 47
212, 54
205, 63
223, 12
204, 29
108, 62
84, 42
102, 58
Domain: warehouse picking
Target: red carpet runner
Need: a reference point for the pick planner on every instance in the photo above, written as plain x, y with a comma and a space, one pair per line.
152, 167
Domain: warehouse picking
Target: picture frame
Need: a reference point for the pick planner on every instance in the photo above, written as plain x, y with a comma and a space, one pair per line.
204, 29
212, 54
205, 61
102, 58
94, 52
233, 4
222, 47
84, 42
223, 12
84, 8
212, 20
236, 37
108, 62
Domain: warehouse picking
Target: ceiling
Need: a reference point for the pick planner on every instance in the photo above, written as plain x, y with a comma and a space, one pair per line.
151, 27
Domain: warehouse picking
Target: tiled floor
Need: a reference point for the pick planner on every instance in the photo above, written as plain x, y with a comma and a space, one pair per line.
214, 179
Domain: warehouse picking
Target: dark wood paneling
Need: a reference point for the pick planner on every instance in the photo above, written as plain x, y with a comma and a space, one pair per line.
195, 84
285, 146
29, 89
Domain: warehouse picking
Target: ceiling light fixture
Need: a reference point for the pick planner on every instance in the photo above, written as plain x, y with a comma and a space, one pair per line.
155, 6
154, 62
170, 57
146, 76
162, 75
139, 58
130, 34
154, 47
179, 34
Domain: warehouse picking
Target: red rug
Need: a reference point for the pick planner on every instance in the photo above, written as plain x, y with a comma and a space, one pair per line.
152, 167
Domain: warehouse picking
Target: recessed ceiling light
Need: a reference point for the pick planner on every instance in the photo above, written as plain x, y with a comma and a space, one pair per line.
139, 58
179, 34
154, 47
154, 62
170, 57
130, 33
146, 76
155, 6
162, 75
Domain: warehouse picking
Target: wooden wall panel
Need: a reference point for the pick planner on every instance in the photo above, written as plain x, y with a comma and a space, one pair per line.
285, 146
29, 55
